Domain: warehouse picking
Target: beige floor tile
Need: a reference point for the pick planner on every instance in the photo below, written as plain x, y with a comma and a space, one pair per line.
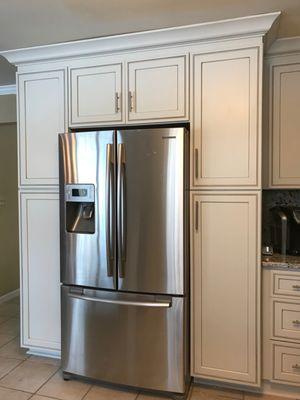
103, 393
64, 390
144, 396
9, 394
10, 327
29, 376
13, 350
213, 393
7, 365
259, 396
5, 338
39, 397
47, 360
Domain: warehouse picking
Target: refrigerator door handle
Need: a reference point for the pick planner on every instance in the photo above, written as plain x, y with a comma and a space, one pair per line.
109, 233
157, 304
121, 209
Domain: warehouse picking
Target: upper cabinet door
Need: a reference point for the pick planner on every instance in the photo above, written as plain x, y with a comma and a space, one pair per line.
95, 94
226, 119
285, 126
157, 89
42, 110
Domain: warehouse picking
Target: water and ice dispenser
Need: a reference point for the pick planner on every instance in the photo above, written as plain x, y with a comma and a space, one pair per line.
80, 208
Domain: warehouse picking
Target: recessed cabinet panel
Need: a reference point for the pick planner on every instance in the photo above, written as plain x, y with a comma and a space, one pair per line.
157, 89
225, 118
96, 94
40, 279
41, 99
286, 126
225, 316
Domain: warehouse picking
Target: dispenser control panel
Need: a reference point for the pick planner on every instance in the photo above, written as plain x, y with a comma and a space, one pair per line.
80, 193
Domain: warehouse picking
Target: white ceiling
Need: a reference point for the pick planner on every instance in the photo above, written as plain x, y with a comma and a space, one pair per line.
35, 22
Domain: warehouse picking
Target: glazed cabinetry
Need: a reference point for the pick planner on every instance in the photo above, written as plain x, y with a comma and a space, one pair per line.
184, 75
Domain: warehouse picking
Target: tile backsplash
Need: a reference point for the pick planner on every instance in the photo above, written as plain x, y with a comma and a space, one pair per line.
270, 199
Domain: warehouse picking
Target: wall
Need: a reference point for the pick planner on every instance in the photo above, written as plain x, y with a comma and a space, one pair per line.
8, 108
9, 261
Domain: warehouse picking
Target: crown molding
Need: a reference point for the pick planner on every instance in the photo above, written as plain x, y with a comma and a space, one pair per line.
7, 89
282, 46
255, 25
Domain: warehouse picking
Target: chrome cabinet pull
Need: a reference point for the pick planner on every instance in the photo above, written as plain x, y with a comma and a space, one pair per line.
130, 101
109, 197
196, 163
296, 287
117, 103
197, 216
296, 322
121, 209
160, 304
296, 366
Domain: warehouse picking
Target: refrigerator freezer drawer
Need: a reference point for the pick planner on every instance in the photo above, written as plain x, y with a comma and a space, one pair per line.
124, 338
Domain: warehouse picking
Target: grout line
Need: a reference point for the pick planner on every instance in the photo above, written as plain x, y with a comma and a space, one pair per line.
84, 396
50, 377
4, 376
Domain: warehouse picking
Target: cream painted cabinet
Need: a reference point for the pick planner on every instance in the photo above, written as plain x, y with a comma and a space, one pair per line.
40, 276
157, 89
284, 124
96, 94
225, 310
226, 118
42, 111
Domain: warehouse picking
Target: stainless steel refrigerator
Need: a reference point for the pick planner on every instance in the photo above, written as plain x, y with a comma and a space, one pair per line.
124, 258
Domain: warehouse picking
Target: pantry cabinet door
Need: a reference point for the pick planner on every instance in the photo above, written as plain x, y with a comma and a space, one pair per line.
157, 89
225, 342
285, 126
42, 111
40, 271
95, 94
225, 119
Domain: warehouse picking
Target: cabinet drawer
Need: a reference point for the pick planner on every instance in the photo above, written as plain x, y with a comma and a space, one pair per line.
286, 363
286, 284
286, 320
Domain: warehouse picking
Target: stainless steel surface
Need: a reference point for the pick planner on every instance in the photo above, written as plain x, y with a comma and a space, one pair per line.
152, 223
84, 258
283, 218
163, 304
125, 343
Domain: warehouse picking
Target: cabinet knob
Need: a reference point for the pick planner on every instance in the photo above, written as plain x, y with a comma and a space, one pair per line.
117, 99
130, 101
197, 216
296, 366
296, 322
196, 163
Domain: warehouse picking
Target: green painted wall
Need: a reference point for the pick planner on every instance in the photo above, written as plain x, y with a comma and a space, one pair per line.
9, 258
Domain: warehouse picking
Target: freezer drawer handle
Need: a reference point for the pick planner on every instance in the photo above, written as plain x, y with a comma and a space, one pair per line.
109, 185
160, 304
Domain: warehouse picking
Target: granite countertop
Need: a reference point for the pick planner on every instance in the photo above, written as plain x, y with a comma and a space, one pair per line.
281, 262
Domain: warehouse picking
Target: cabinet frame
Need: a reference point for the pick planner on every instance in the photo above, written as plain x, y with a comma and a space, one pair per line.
57, 72
253, 378
36, 346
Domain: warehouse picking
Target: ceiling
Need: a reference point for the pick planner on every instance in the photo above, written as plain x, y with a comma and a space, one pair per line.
35, 22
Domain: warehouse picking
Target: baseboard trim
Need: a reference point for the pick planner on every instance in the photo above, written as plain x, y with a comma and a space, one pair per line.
10, 296
36, 351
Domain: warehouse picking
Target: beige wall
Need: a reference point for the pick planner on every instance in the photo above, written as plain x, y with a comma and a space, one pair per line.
9, 262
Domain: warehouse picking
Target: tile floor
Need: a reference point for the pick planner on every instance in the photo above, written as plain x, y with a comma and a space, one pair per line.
25, 377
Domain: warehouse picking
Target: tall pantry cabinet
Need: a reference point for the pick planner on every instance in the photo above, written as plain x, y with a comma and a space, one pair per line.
225, 213
207, 75
42, 115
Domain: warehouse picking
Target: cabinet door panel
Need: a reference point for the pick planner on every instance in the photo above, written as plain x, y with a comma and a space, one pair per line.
96, 94
40, 272
286, 126
41, 119
225, 118
157, 89
225, 318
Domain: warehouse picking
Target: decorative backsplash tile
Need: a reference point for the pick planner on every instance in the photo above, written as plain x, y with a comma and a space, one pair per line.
270, 199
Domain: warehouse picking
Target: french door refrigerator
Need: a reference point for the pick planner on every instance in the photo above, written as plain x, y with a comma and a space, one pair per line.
124, 262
